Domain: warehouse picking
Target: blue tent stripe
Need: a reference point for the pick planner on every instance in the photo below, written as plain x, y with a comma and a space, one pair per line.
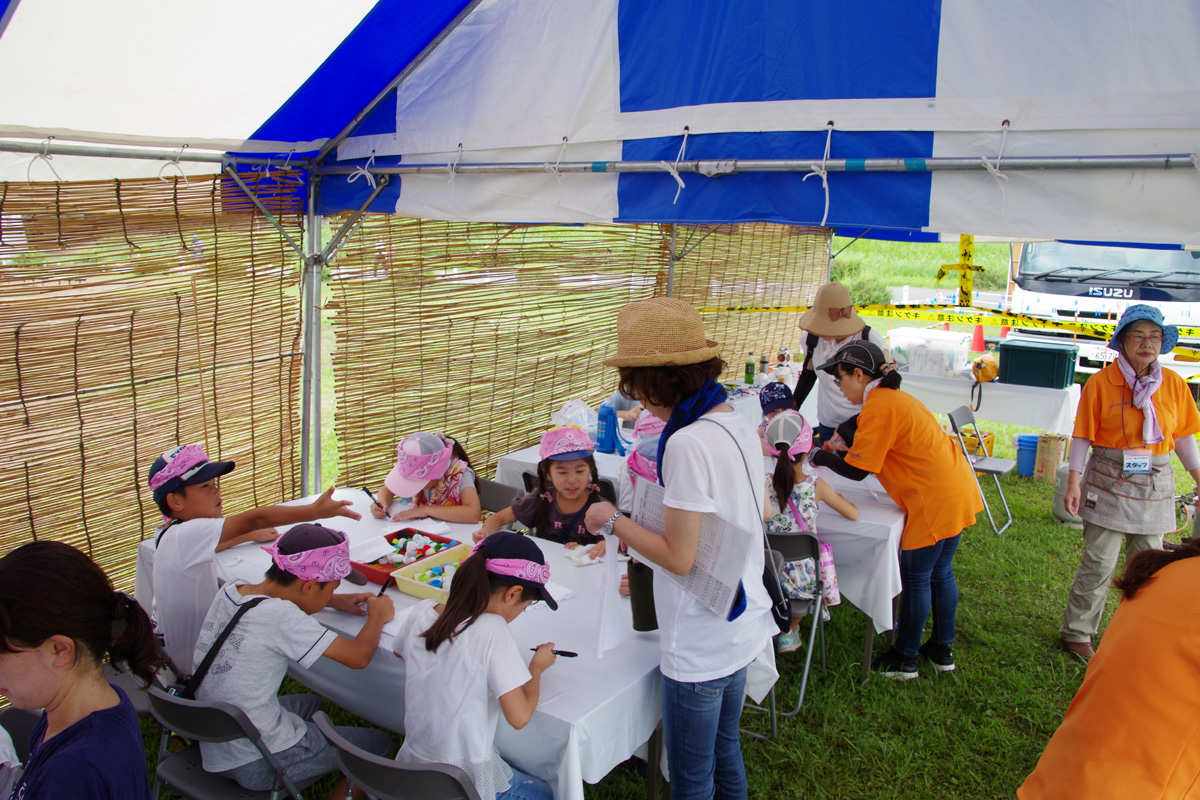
681, 53
7, 9
379, 48
865, 199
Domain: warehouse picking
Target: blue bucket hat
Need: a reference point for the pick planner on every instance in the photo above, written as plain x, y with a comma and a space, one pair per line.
1142, 311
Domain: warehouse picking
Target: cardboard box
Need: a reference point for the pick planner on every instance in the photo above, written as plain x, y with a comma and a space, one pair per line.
1051, 451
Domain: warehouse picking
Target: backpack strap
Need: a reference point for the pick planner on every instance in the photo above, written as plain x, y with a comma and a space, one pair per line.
165, 528
808, 374
866, 332
193, 683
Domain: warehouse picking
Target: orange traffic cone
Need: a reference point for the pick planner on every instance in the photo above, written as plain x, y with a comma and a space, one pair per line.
1004, 333
977, 343
945, 326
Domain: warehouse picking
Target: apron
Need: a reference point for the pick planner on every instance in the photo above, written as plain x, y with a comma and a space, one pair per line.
1140, 504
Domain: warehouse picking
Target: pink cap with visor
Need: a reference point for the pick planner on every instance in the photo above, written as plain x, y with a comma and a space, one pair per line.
568, 443
789, 426
318, 553
420, 458
516, 556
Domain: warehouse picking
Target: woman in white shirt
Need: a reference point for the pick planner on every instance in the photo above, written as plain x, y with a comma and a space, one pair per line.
709, 462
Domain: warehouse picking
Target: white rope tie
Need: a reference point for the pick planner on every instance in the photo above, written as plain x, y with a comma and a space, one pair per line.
673, 169
287, 160
174, 163
42, 156
562, 151
994, 170
452, 168
820, 171
364, 171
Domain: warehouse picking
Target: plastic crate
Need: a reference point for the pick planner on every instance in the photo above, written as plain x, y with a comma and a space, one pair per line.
1047, 364
378, 573
406, 576
974, 448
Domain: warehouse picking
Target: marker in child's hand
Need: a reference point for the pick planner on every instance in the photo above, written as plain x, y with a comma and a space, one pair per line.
373, 500
386, 582
563, 653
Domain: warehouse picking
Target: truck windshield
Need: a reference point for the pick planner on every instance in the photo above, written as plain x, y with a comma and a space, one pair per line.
1055, 262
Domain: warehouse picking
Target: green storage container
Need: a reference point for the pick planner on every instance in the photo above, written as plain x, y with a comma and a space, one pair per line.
1049, 364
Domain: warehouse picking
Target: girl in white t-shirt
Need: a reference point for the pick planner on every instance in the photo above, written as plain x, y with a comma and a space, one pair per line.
463, 667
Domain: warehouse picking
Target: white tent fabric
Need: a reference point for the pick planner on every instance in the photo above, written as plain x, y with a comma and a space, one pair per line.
621, 80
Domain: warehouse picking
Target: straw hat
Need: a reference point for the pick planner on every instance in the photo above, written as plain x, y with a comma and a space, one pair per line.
660, 332
832, 313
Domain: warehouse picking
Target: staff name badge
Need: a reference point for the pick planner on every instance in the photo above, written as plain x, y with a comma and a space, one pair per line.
1137, 462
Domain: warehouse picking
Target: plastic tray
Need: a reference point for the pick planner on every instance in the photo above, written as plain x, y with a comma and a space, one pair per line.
378, 573
406, 576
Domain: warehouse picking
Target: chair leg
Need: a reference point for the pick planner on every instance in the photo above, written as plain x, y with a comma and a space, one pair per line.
817, 627
1004, 501
163, 741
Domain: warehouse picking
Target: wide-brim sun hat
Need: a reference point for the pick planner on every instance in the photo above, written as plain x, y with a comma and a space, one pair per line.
1141, 311
661, 332
832, 314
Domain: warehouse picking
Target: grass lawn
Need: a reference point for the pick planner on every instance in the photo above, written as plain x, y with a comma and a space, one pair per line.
972, 733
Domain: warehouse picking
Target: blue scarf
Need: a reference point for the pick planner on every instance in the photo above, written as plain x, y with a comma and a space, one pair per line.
711, 394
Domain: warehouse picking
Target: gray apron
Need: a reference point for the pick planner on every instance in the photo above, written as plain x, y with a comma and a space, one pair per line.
1142, 504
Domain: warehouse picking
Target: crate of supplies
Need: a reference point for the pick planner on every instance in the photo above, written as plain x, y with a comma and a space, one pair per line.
408, 578
930, 352
378, 573
974, 447
1047, 364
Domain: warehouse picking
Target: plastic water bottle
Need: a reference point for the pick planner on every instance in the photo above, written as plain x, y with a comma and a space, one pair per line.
750, 368
606, 430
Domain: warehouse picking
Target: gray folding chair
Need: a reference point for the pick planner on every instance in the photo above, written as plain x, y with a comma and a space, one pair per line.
19, 723
960, 418
495, 496
794, 547
209, 722
386, 779
607, 490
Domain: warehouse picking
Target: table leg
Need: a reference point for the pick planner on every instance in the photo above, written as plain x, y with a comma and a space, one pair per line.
656, 787
868, 650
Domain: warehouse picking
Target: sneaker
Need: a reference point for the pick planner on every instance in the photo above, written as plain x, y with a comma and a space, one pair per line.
940, 655
893, 665
787, 642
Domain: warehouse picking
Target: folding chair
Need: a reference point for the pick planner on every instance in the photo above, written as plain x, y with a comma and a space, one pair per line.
495, 496
209, 722
133, 687
963, 417
386, 779
19, 723
607, 490
794, 547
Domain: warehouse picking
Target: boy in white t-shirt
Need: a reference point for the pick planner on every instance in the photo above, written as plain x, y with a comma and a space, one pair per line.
185, 487
308, 563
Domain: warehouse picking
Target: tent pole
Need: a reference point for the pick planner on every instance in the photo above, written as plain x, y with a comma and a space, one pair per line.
231, 172
310, 382
671, 260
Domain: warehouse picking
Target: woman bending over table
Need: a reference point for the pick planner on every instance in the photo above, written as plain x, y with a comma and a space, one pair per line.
927, 475
709, 460
1132, 414
59, 619
1130, 731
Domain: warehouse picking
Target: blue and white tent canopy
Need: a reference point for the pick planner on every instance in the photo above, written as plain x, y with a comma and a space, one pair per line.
554, 82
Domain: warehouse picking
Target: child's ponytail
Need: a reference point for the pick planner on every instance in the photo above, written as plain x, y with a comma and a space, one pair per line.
784, 478
133, 644
470, 593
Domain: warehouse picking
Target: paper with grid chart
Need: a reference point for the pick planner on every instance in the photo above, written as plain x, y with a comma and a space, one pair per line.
721, 556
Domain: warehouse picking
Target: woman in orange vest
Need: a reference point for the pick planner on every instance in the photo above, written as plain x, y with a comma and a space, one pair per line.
1131, 729
927, 475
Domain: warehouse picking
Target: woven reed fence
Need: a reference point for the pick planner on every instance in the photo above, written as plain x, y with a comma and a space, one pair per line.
135, 315
482, 330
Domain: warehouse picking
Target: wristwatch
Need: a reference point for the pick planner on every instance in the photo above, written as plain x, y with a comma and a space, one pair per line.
607, 527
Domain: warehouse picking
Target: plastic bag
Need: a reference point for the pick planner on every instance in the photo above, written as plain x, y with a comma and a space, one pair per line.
578, 413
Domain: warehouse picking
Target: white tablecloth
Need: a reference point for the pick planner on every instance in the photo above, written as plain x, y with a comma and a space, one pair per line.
592, 713
1033, 406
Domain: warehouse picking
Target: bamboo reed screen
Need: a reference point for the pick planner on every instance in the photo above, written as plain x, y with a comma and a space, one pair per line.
135, 315
482, 330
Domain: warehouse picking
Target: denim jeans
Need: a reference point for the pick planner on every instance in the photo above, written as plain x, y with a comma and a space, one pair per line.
927, 580
700, 732
525, 787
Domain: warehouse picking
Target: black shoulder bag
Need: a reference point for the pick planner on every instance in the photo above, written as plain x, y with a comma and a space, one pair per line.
781, 605
191, 683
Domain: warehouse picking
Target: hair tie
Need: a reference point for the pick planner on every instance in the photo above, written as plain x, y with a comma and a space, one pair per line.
886, 367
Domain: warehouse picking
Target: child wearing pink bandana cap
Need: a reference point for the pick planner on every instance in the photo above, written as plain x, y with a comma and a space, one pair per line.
793, 495
307, 565
566, 488
433, 472
467, 644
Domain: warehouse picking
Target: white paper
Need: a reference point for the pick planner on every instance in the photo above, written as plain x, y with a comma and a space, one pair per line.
393, 627
372, 549
721, 554
427, 525
615, 621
